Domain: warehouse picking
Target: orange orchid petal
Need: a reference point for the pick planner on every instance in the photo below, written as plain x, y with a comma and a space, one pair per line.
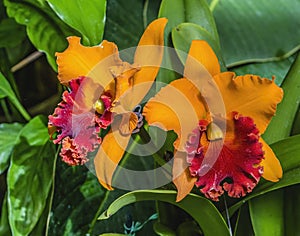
202, 54
272, 167
78, 60
182, 179
109, 155
251, 96
177, 106
148, 57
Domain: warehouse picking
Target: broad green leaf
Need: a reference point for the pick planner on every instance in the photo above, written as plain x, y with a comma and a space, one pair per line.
183, 35
4, 225
291, 209
281, 124
45, 30
87, 17
267, 214
206, 215
188, 228
279, 69
9, 134
29, 177
257, 30
162, 230
11, 33
6, 91
288, 153
296, 124
124, 22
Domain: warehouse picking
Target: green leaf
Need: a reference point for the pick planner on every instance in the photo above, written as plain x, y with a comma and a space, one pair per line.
291, 209
178, 12
279, 69
11, 33
267, 214
253, 31
124, 22
183, 35
87, 17
9, 134
192, 11
29, 177
288, 153
45, 30
206, 215
4, 225
6, 91
243, 225
296, 124
281, 124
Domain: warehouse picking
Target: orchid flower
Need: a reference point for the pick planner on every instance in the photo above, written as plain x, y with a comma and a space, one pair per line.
104, 90
208, 154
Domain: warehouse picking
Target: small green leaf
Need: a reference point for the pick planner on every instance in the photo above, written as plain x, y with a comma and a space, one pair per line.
206, 215
11, 33
29, 177
183, 35
281, 124
267, 214
177, 12
9, 134
288, 153
45, 30
253, 31
192, 11
6, 91
88, 17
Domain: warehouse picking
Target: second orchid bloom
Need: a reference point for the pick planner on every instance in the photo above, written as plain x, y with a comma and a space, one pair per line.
218, 148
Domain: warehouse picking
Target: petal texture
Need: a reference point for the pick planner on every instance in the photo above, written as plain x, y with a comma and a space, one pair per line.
271, 165
148, 57
201, 54
178, 107
78, 60
251, 96
182, 178
237, 167
109, 155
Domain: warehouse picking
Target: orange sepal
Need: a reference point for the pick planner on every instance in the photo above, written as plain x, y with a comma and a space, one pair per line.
251, 96
182, 179
109, 155
272, 167
148, 57
78, 60
201, 53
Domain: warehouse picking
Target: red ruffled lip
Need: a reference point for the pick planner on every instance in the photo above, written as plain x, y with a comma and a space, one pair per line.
237, 168
77, 125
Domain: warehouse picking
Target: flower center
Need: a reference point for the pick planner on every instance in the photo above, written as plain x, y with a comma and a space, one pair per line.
214, 132
99, 106
233, 165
